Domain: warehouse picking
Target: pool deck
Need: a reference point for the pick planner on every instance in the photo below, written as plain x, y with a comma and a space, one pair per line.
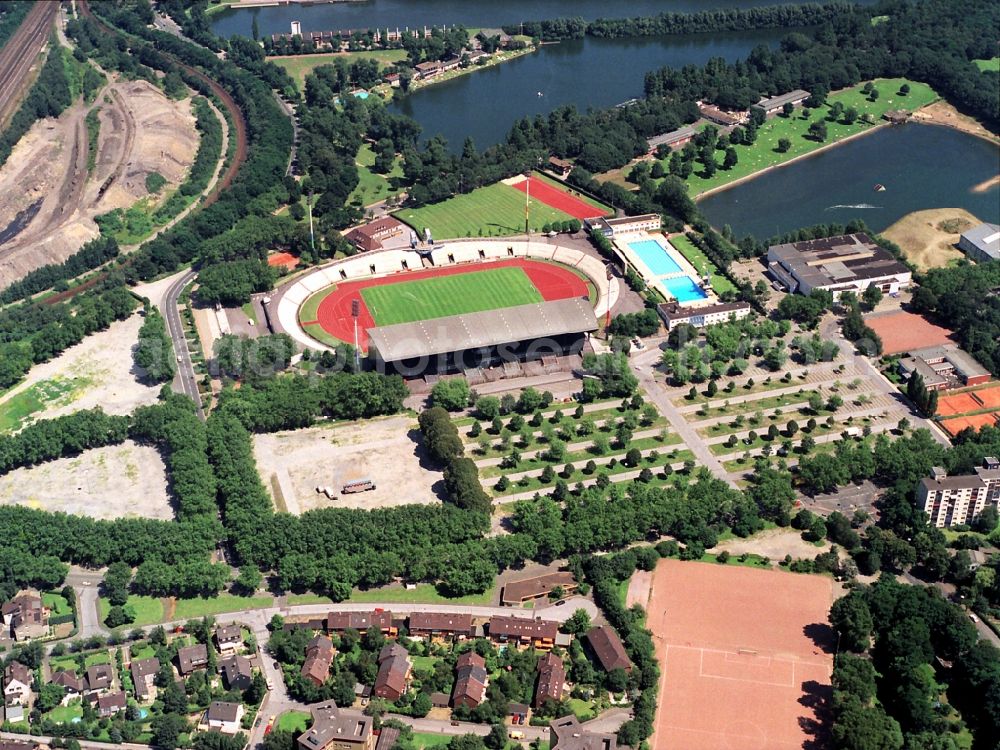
623, 245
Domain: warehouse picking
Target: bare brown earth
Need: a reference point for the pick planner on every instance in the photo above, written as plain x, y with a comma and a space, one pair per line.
942, 113
142, 131
929, 238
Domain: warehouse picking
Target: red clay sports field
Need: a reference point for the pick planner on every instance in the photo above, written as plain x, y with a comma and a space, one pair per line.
558, 199
333, 315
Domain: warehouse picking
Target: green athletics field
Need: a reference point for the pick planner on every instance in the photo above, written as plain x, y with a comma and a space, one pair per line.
763, 153
492, 211
439, 296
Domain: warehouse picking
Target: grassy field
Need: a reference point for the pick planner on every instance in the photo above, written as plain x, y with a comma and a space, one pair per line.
697, 258
15, 411
439, 296
492, 211
293, 721
372, 186
299, 66
427, 740
764, 151
188, 608
66, 714
991, 64
148, 610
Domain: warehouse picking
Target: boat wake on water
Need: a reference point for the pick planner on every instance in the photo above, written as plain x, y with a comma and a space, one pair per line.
857, 205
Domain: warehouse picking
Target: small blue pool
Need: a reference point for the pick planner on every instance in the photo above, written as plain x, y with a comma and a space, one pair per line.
684, 289
361, 94
143, 713
653, 254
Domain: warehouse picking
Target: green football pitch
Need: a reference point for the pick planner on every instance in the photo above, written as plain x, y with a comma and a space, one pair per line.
456, 294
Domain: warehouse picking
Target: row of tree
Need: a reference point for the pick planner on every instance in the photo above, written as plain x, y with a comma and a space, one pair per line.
154, 352
93, 254
445, 446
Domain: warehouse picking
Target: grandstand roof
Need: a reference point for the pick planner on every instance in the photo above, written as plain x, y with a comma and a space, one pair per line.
474, 330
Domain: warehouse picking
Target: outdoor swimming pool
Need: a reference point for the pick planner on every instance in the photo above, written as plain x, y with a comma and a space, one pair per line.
656, 258
684, 289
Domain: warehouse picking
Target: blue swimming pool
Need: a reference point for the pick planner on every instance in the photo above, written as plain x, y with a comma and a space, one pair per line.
655, 257
684, 289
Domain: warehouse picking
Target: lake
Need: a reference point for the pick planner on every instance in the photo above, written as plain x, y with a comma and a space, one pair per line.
470, 13
587, 72
921, 166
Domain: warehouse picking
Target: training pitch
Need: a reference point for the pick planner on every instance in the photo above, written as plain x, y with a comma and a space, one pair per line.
746, 655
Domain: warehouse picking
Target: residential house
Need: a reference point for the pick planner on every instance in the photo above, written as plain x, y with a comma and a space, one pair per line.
25, 617
100, 677
191, 658
471, 680
337, 729
429, 69
522, 631
73, 685
229, 638
224, 717
17, 681
12, 712
340, 622
551, 679
143, 677
568, 733
110, 704
319, 659
237, 672
440, 625
520, 592
608, 648
393, 672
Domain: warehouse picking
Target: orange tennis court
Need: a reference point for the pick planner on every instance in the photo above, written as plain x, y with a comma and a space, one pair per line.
989, 397
746, 656
957, 403
977, 421
903, 332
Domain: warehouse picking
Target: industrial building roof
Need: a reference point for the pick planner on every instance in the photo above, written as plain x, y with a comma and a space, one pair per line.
777, 102
835, 260
986, 237
480, 329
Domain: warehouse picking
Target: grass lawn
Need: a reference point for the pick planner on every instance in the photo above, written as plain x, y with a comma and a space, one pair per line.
99, 657
148, 610
438, 296
299, 66
57, 603
697, 258
372, 186
584, 710
991, 64
752, 561
763, 153
492, 211
424, 593
144, 651
427, 740
15, 411
293, 721
66, 714
424, 662
188, 608
67, 663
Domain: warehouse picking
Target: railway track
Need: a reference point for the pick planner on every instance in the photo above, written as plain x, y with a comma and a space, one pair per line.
235, 113
19, 55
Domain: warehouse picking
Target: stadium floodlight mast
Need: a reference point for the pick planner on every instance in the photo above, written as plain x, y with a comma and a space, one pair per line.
312, 239
355, 313
527, 201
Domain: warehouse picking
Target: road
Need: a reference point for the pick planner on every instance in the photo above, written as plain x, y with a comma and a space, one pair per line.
20, 53
184, 381
86, 584
289, 110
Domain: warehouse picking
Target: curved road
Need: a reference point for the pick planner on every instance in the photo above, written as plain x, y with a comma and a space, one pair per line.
19, 54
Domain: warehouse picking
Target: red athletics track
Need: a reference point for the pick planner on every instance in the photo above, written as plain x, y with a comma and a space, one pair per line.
556, 198
334, 313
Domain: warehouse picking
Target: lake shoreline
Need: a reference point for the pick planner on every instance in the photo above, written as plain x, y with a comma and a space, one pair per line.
793, 160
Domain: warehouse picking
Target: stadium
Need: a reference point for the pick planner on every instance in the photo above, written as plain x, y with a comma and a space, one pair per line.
461, 307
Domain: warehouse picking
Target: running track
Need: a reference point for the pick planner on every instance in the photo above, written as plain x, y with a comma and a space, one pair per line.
558, 199
334, 312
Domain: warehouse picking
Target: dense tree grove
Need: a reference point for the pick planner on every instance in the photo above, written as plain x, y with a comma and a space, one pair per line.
48, 439
95, 253
921, 645
48, 97
964, 299
461, 477
154, 352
